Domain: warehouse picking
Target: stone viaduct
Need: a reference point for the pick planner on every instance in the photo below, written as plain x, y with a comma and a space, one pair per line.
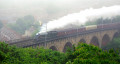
97, 37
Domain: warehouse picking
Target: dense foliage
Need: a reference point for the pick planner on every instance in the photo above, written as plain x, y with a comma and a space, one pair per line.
13, 55
90, 54
82, 54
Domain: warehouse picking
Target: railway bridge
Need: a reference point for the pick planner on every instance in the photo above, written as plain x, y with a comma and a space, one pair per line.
97, 37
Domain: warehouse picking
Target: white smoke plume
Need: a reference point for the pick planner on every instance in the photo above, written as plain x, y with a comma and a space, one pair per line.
82, 17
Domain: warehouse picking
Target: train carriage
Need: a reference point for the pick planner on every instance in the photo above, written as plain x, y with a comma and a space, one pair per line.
66, 32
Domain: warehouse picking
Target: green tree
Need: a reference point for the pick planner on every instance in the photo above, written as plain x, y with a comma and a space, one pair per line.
14, 55
82, 54
90, 54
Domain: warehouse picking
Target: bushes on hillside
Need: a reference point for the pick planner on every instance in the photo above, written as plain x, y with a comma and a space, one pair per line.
14, 55
82, 54
90, 54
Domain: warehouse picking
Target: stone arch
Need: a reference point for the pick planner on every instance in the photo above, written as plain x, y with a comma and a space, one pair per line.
116, 35
82, 41
94, 41
105, 40
68, 44
53, 48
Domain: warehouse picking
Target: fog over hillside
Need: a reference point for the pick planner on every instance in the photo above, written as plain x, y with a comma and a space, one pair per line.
46, 10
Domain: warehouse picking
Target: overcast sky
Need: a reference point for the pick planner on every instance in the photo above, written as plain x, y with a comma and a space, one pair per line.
16, 8
34, 3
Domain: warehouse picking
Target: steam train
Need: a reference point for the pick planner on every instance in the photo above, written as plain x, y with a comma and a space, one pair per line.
70, 32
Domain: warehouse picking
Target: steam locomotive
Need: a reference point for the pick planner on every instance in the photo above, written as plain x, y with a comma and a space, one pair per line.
64, 33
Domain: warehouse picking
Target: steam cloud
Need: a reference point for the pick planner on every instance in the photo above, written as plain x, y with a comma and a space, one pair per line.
81, 17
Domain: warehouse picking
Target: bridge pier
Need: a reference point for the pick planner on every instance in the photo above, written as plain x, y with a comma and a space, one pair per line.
87, 37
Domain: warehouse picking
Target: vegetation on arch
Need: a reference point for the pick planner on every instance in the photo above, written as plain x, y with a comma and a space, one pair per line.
114, 44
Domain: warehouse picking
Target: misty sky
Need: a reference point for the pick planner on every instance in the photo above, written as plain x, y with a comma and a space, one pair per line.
48, 8
33, 3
